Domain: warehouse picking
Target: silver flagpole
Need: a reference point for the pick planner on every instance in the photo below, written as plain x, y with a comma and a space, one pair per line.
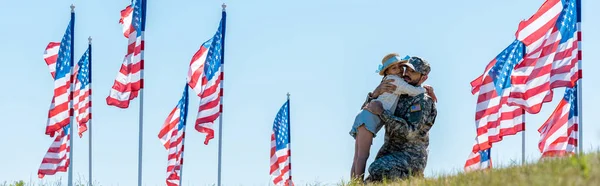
290, 183
90, 119
70, 182
523, 141
181, 161
221, 109
141, 94
580, 84
183, 135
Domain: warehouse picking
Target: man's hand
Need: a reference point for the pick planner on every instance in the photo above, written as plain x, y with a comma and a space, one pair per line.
385, 86
430, 92
375, 107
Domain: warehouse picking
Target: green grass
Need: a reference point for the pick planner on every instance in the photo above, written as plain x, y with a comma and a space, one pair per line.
584, 170
77, 181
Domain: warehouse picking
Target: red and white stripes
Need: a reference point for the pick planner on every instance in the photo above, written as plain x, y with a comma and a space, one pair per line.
172, 136
548, 64
494, 118
558, 135
129, 80
50, 56
82, 103
210, 91
175, 158
59, 112
280, 164
57, 157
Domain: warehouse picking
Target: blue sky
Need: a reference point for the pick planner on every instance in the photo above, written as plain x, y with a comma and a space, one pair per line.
323, 52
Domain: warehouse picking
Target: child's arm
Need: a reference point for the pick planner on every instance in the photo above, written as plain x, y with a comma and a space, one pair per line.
402, 87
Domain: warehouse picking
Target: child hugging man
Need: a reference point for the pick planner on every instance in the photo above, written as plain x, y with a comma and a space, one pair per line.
366, 125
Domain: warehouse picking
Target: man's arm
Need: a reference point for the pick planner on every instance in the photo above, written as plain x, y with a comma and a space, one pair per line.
388, 118
384, 86
402, 87
369, 98
423, 120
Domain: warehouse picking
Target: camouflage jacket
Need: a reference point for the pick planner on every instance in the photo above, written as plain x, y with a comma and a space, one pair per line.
404, 151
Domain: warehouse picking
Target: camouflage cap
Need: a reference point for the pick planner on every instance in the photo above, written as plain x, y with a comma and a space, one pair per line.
419, 65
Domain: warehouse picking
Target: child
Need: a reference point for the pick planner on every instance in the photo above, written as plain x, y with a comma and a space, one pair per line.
369, 124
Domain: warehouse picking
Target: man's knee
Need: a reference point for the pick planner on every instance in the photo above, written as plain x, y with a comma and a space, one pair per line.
390, 167
378, 169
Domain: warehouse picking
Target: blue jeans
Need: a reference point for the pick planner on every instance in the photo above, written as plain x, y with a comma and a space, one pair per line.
371, 121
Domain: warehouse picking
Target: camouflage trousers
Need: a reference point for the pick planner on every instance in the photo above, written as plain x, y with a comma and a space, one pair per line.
396, 166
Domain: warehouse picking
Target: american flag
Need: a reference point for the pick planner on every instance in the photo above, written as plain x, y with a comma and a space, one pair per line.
494, 119
544, 56
281, 165
479, 160
172, 137
558, 135
129, 80
58, 58
551, 38
83, 92
50, 56
205, 77
57, 157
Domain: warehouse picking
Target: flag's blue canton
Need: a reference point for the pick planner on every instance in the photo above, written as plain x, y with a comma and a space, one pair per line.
505, 62
137, 16
63, 62
485, 155
281, 127
213, 58
84, 69
567, 21
183, 103
66, 130
571, 97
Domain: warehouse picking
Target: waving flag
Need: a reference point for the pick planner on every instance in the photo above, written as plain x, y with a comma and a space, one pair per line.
57, 157
558, 135
551, 39
281, 165
129, 80
51, 55
172, 136
494, 119
60, 63
544, 56
479, 160
205, 77
82, 95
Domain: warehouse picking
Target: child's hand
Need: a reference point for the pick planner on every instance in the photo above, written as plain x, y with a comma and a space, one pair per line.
430, 92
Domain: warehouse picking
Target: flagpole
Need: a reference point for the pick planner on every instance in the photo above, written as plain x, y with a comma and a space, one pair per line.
70, 182
90, 119
141, 94
183, 137
223, 14
579, 86
181, 161
523, 140
289, 138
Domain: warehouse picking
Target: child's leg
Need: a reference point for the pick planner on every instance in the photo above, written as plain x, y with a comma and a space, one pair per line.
364, 139
352, 175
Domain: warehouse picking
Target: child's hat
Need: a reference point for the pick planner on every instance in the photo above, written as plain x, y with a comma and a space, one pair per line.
390, 59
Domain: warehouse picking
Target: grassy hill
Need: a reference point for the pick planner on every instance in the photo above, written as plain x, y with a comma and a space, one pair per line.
584, 170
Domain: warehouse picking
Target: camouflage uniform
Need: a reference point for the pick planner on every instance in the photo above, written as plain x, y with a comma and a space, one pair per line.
404, 152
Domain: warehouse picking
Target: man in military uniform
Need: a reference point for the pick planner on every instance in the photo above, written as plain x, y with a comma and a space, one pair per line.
404, 152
